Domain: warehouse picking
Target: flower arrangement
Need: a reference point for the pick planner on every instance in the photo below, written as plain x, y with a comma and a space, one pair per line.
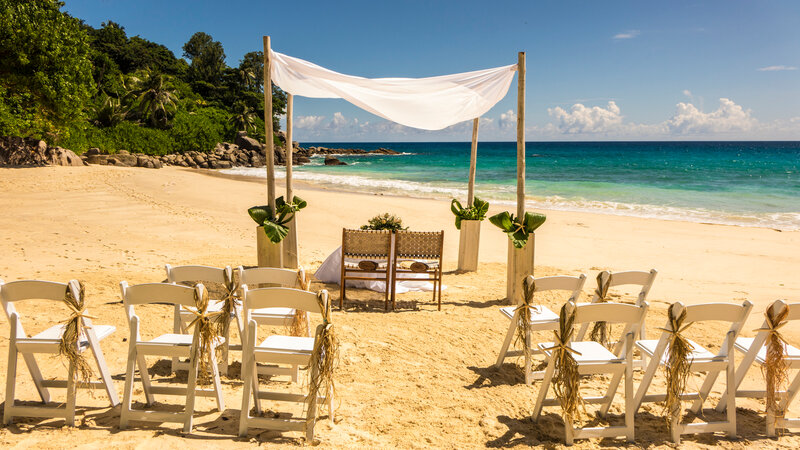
384, 221
275, 225
518, 230
476, 211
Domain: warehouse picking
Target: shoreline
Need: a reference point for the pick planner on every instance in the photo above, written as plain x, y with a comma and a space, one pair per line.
308, 184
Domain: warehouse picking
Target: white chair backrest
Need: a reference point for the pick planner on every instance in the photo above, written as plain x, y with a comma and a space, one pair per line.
631, 277
610, 313
173, 294
560, 283
197, 274
17, 291
722, 312
281, 297
794, 311
268, 275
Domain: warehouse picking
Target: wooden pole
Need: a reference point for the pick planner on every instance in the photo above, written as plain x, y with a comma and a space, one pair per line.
473, 157
269, 148
521, 136
289, 147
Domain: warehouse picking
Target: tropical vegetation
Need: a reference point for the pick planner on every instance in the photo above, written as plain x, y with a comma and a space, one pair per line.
77, 86
476, 211
275, 225
384, 221
518, 230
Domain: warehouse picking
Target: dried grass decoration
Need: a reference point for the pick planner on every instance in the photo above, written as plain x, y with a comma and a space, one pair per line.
775, 369
325, 356
208, 332
74, 328
678, 364
298, 324
523, 332
230, 304
600, 330
566, 381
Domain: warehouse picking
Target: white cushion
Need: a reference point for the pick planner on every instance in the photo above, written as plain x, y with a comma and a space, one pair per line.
743, 344
278, 343
55, 332
590, 352
698, 352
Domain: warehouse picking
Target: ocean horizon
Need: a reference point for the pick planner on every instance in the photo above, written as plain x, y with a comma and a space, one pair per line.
745, 183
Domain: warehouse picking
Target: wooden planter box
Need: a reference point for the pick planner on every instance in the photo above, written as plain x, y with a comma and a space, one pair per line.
520, 265
269, 253
468, 245
290, 255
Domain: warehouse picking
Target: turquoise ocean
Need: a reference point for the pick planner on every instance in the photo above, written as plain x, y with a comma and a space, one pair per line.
738, 183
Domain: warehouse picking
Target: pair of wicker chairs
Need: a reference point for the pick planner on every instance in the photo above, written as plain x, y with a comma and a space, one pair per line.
391, 257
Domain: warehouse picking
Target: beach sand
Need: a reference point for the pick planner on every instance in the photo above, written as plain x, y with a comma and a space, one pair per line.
412, 378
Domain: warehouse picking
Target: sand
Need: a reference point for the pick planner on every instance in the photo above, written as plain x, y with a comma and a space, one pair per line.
413, 378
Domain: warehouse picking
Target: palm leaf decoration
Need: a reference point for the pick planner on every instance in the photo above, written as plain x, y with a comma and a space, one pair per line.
476, 211
275, 225
518, 231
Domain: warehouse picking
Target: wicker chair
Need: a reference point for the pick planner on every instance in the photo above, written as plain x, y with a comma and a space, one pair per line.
365, 252
418, 252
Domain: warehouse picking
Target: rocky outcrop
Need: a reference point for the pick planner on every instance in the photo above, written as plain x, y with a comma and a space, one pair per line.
122, 158
27, 152
332, 161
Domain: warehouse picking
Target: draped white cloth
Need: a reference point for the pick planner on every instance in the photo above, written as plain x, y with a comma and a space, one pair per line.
430, 103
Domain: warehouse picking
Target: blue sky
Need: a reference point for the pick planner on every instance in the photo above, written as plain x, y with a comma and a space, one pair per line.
628, 70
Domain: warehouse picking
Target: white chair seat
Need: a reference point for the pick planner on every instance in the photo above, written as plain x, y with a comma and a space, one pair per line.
539, 314
292, 344
55, 332
743, 344
590, 352
699, 354
178, 339
272, 313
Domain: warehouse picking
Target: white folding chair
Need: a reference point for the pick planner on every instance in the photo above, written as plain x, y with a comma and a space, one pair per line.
542, 318
278, 349
48, 342
273, 277
175, 345
629, 278
592, 357
755, 350
700, 360
184, 315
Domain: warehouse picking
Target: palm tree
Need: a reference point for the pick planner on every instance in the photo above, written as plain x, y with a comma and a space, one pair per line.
108, 111
244, 117
155, 98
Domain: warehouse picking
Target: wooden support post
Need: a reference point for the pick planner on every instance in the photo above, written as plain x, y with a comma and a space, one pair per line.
520, 261
269, 148
521, 136
470, 235
473, 157
290, 255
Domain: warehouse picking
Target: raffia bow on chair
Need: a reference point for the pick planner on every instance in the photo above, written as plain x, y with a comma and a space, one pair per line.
567, 379
230, 303
523, 333
600, 330
775, 368
325, 354
297, 326
73, 330
207, 329
678, 365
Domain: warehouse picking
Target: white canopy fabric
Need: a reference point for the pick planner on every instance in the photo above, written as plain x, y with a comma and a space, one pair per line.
430, 103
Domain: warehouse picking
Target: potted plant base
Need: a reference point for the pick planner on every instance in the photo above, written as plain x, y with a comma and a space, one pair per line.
270, 254
290, 255
468, 245
520, 265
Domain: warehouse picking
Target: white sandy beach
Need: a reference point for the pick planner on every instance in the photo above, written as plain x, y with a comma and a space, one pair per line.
104, 224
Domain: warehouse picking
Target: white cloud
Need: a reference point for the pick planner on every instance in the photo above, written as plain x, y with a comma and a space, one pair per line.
630, 34
508, 120
307, 121
776, 68
581, 119
687, 93
729, 117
